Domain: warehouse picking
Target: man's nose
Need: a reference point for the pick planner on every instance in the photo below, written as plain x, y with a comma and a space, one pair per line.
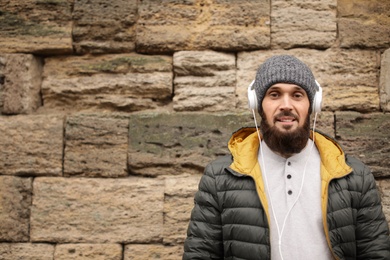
286, 103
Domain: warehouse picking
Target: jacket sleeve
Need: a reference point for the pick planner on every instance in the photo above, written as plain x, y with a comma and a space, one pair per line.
372, 230
204, 234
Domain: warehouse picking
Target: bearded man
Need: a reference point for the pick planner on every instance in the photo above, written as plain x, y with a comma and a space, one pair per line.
286, 192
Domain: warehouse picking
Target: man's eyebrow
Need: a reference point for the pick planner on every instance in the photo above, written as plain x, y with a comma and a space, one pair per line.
276, 87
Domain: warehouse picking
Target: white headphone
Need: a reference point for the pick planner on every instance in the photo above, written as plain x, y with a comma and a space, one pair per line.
253, 104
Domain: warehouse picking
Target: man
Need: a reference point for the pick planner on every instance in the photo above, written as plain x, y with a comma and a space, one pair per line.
289, 193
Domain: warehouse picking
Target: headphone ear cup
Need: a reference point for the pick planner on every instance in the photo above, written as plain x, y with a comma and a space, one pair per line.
317, 101
252, 98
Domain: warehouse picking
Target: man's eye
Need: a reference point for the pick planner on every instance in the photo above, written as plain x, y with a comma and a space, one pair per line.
273, 94
298, 95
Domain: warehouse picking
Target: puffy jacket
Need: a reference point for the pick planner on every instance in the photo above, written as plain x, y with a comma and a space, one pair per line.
230, 219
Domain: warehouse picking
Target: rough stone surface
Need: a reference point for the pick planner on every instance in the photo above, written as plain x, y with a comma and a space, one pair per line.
21, 84
204, 80
299, 23
86, 210
349, 78
168, 26
385, 81
162, 144
122, 82
384, 187
15, 201
30, 26
2, 79
364, 24
31, 145
152, 252
367, 137
88, 252
178, 203
18, 251
324, 123
96, 146
102, 27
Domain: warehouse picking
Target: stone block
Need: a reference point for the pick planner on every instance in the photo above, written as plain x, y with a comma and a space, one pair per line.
204, 80
96, 146
173, 144
15, 201
364, 24
88, 252
3, 62
92, 210
384, 188
117, 82
178, 203
102, 27
22, 251
30, 26
299, 23
367, 137
153, 252
349, 78
384, 81
325, 123
21, 83
31, 145
169, 26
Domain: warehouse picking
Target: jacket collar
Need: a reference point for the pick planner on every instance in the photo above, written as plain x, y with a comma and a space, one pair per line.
244, 146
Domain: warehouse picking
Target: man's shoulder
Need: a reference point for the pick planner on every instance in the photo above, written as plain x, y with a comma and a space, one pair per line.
359, 167
218, 165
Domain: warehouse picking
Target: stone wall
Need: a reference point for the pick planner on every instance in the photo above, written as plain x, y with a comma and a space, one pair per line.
111, 109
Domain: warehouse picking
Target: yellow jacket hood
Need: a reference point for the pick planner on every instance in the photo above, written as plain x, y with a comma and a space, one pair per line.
244, 146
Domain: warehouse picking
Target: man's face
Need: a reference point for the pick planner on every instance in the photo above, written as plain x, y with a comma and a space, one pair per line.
285, 119
286, 106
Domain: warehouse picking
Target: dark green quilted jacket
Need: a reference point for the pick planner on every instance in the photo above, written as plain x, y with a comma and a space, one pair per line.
230, 218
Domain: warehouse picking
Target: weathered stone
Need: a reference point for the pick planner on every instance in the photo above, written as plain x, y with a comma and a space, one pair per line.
384, 187
123, 82
3, 62
31, 145
179, 201
88, 251
384, 81
87, 210
96, 146
303, 23
325, 123
29, 251
15, 201
152, 252
364, 24
21, 84
31, 26
204, 80
161, 144
101, 27
349, 78
367, 137
168, 26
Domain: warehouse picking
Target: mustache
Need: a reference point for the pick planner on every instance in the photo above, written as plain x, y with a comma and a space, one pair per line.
286, 113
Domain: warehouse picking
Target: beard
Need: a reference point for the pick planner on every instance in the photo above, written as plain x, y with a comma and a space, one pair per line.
288, 142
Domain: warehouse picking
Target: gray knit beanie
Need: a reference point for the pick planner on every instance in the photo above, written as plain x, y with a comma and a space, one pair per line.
284, 69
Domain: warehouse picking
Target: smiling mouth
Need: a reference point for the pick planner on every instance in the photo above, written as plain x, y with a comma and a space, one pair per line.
285, 119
